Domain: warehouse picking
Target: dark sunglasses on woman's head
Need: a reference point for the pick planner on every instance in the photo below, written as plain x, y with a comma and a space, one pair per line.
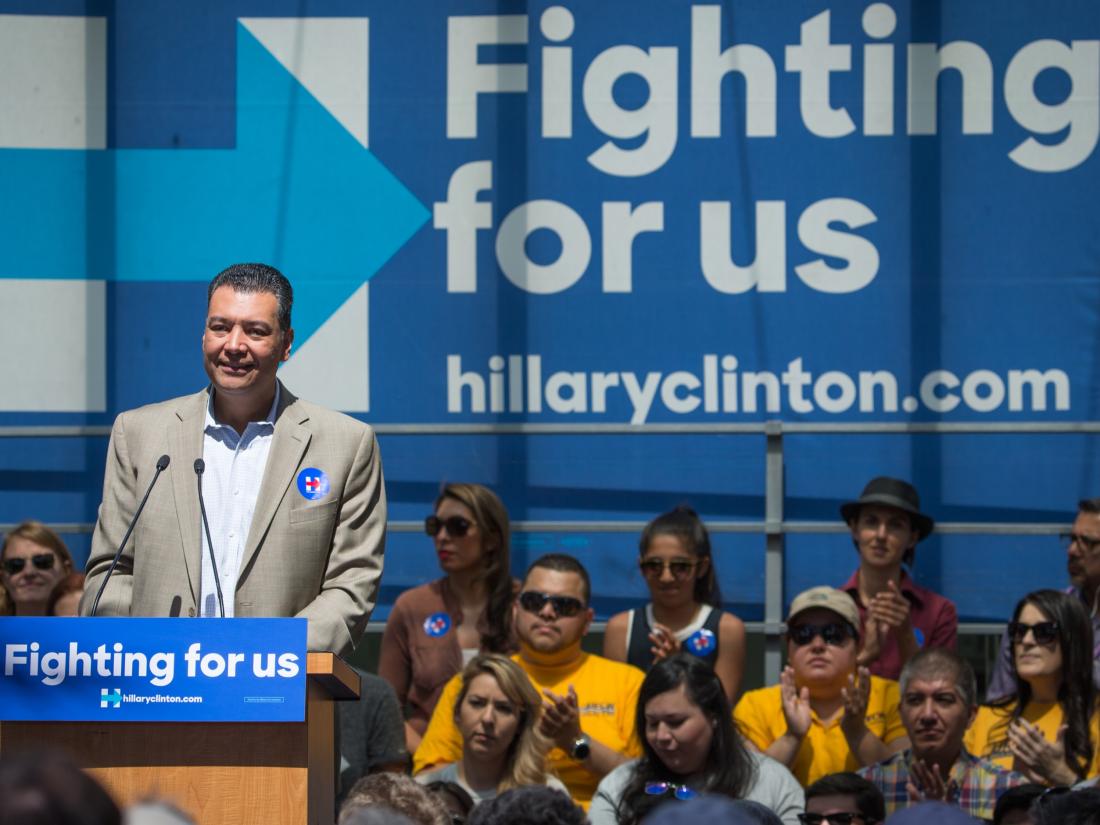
534, 602
832, 819
457, 526
834, 633
41, 561
680, 568
1044, 633
681, 792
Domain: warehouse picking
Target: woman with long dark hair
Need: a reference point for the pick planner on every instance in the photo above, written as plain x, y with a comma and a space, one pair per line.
690, 747
1049, 730
685, 612
438, 627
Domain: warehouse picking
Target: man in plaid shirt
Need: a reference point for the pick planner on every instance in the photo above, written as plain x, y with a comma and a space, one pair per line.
938, 702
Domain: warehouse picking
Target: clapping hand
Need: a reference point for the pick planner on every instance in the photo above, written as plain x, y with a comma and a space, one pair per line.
796, 704
1039, 760
930, 785
664, 643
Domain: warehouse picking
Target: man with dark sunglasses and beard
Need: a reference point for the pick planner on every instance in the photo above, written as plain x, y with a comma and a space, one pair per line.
826, 715
589, 701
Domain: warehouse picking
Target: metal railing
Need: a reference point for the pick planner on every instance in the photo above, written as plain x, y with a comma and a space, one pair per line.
774, 527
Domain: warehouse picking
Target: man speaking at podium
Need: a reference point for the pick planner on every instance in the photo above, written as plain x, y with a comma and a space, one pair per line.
295, 509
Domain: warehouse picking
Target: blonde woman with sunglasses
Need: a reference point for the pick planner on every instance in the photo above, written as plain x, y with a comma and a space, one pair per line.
685, 612
32, 561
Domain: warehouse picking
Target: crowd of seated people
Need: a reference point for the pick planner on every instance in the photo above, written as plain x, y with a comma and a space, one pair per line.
490, 700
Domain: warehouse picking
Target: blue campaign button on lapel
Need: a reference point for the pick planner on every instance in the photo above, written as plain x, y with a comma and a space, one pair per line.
701, 642
437, 625
313, 483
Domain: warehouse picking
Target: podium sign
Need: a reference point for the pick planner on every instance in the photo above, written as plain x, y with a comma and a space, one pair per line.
153, 670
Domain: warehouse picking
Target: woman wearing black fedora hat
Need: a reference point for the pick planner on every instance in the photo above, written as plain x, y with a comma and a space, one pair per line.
899, 617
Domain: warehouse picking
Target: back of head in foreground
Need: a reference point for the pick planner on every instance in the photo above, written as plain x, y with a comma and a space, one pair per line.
532, 805
715, 810
1071, 808
398, 793
40, 787
931, 813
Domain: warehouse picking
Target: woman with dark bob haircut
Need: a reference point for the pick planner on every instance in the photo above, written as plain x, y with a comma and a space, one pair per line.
1049, 729
690, 747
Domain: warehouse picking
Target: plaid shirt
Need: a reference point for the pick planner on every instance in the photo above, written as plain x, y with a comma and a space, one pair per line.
979, 782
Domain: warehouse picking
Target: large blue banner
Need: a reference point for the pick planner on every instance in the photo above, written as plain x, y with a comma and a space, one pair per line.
153, 670
612, 212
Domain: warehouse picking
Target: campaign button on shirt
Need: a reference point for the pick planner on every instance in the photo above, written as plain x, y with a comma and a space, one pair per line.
918, 634
437, 625
313, 483
701, 642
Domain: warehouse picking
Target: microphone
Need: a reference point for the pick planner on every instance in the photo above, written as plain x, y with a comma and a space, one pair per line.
200, 468
162, 465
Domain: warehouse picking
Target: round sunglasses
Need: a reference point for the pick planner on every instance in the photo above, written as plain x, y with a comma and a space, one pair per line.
681, 792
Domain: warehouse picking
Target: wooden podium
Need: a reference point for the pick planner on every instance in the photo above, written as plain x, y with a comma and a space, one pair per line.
267, 773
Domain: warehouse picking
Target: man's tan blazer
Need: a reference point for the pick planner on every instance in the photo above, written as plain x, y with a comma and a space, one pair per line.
321, 560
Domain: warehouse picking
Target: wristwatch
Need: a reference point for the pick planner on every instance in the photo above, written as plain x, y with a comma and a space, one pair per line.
581, 748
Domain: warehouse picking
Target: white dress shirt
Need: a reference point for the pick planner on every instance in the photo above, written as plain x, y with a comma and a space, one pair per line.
234, 469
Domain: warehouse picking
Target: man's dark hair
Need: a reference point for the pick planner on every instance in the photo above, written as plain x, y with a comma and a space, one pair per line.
44, 787
1016, 799
1072, 808
253, 278
531, 805
1089, 505
868, 797
563, 563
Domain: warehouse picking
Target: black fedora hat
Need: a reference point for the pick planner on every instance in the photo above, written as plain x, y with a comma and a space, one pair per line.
891, 492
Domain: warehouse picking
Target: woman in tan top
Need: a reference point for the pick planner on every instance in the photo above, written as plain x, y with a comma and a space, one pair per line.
436, 628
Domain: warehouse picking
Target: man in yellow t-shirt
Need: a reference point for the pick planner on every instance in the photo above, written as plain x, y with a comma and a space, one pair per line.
590, 701
825, 715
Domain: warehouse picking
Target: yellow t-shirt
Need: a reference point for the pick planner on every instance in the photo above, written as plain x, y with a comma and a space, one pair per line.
988, 735
824, 750
608, 695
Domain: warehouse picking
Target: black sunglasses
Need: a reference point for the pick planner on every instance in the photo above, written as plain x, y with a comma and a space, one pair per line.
1044, 633
679, 568
41, 561
534, 602
832, 819
834, 633
457, 526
